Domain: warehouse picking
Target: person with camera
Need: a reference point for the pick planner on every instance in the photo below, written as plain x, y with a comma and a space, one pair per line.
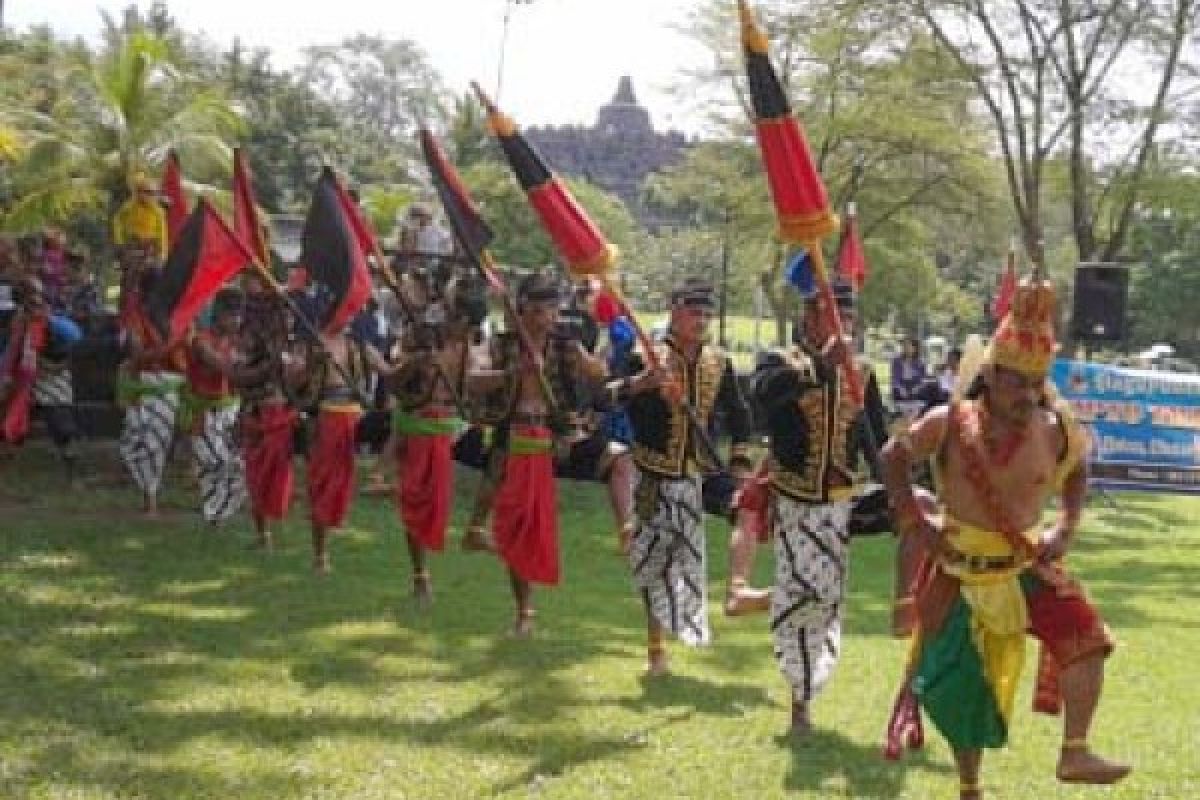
672, 454
529, 391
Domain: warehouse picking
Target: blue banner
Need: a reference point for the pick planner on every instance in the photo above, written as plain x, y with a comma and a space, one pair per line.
1144, 424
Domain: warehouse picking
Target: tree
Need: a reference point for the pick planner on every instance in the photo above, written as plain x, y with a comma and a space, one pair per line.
98, 118
381, 90
891, 126
1164, 301
1048, 75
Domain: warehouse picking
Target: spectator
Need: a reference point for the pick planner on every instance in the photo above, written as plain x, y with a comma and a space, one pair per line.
54, 267
908, 374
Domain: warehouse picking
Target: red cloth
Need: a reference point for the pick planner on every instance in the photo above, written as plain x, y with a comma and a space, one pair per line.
753, 503
525, 520
267, 448
425, 493
331, 467
19, 365
1070, 629
203, 379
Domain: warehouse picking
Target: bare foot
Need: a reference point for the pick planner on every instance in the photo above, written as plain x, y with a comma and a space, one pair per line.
801, 724
970, 794
743, 600
321, 565
265, 542
423, 590
523, 627
475, 539
657, 663
1079, 765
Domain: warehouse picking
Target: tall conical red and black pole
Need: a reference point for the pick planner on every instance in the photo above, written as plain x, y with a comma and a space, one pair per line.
801, 204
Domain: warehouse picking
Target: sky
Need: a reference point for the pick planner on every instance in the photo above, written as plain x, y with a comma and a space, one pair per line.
562, 61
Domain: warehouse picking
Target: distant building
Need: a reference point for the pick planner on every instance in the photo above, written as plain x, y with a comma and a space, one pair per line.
617, 154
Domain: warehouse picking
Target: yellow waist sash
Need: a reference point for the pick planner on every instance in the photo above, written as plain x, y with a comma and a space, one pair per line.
999, 616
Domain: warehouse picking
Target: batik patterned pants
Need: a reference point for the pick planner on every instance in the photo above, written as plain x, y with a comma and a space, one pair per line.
149, 427
668, 555
810, 581
222, 471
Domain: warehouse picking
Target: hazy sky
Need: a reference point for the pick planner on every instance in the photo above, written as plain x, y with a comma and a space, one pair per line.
562, 61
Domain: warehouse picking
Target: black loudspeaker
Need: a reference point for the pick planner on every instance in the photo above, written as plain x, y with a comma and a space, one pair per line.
1098, 313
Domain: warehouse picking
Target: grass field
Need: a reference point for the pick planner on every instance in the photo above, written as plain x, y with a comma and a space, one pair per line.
158, 660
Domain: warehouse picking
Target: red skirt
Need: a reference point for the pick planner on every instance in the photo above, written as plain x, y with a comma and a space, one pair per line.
425, 493
525, 521
267, 449
331, 467
15, 425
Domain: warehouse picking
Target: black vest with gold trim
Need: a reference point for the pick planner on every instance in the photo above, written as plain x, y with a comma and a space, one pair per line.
812, 423
663, 441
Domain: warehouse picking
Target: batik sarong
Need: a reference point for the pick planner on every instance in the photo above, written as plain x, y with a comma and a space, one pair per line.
524, 513
811, 562
222, 473
668, 557
331, 465
425, 488
149, 426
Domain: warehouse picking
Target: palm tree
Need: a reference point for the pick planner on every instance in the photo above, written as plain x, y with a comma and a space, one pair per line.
106, 117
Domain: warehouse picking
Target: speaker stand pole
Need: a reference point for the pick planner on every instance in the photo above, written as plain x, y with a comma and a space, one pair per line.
1104, 494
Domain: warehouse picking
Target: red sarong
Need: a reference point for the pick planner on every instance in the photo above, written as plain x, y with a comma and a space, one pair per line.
27, 339
425, 493
525, 522
267, 449
331, 467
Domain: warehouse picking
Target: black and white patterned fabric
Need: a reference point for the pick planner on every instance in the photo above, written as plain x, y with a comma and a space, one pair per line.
52, 387
149, 427
222, 471
668, 555
811, 560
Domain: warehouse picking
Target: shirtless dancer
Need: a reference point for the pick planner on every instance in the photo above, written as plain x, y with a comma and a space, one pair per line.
993, 572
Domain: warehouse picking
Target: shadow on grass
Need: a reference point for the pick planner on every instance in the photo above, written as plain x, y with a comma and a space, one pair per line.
824, 759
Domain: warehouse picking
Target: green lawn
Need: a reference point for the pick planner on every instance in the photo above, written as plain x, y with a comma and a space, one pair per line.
157, 660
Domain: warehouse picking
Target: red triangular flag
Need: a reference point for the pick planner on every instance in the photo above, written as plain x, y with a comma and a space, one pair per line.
1007, 288
852, 259
245, 213
172, 190
206, 256
336, 241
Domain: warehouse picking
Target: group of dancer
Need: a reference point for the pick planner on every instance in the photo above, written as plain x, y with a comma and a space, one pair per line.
975, 570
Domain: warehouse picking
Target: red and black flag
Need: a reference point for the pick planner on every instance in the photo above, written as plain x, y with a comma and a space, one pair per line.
206, 256
335, 243
801, 204
852, 259
472, 233
579, 242
172, 192
245, 211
